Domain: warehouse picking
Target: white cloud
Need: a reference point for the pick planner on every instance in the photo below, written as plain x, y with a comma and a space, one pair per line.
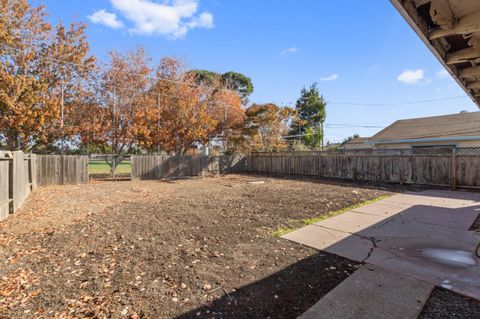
442, 74
106, 18
204, 20
412, 76
331, 77
291, 50
171, 18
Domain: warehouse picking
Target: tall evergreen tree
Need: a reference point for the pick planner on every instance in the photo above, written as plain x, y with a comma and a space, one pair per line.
311, 110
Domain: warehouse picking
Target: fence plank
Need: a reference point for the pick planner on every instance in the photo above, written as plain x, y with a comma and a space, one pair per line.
61, 169
161, 166
4, 187
33, 170
422, 169
16, 180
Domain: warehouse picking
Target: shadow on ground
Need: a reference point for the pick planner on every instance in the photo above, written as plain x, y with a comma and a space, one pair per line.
285, 294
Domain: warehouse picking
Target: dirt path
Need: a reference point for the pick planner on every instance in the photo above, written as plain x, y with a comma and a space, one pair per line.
198, 248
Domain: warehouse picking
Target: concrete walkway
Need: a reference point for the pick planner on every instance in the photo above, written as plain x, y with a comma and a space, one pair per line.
421, 235
371, 293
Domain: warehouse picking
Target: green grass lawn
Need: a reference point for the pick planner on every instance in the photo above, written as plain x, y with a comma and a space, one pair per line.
101, 167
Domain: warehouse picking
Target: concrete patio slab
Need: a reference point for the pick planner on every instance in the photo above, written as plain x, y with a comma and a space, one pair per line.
460, 218
358, 248
316, 237
431, 200
372, 292
383, 208
424, 237
440, 255
468, 196
351, 221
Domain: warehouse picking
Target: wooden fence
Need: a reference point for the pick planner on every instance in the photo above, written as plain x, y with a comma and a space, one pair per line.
62, 169
159, 167
442, 170
17, 180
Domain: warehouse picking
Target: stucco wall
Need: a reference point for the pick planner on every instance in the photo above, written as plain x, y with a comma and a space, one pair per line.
410, 145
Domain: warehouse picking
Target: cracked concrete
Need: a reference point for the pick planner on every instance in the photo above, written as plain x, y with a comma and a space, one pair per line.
422, 235
373, 240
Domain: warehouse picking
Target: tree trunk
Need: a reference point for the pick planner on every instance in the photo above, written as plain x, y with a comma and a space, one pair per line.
114, 163
13, 142
113, 167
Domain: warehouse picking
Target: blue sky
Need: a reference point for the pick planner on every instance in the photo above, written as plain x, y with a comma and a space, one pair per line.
359, 52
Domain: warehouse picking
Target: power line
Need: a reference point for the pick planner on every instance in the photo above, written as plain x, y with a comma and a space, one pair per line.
448, 98
328, 125
332, 126
232, 91
400, 103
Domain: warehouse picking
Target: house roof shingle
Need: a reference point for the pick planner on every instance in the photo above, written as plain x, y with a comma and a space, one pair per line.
358, 141
462, 124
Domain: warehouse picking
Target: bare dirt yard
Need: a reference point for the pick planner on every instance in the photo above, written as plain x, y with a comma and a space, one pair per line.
196, 248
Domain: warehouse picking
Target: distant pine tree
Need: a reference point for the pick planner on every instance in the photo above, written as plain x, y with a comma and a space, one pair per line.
346, 140
311, 110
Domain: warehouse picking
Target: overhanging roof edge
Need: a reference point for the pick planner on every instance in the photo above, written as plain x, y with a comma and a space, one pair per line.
403, 12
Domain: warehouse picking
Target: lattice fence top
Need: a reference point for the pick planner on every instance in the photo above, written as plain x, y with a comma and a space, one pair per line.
418, 151
468, 151
430, 151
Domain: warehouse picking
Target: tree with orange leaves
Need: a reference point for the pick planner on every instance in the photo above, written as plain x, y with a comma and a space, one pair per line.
186, 116
166, 112
229, 95
122, 108
36, 65
264, 128
226, 108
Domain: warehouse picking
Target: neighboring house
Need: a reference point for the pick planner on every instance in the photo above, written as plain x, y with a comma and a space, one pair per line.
446, 131
357, 144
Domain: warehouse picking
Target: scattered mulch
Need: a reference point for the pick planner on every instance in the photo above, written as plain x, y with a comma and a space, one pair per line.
197, 248
445, 303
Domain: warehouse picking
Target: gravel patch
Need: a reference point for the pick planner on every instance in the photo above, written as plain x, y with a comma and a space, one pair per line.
444, 303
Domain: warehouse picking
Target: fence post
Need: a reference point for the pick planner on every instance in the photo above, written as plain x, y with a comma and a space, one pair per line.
133, 166
11, 177
33, 170
454, 170
17, 183
4, 184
